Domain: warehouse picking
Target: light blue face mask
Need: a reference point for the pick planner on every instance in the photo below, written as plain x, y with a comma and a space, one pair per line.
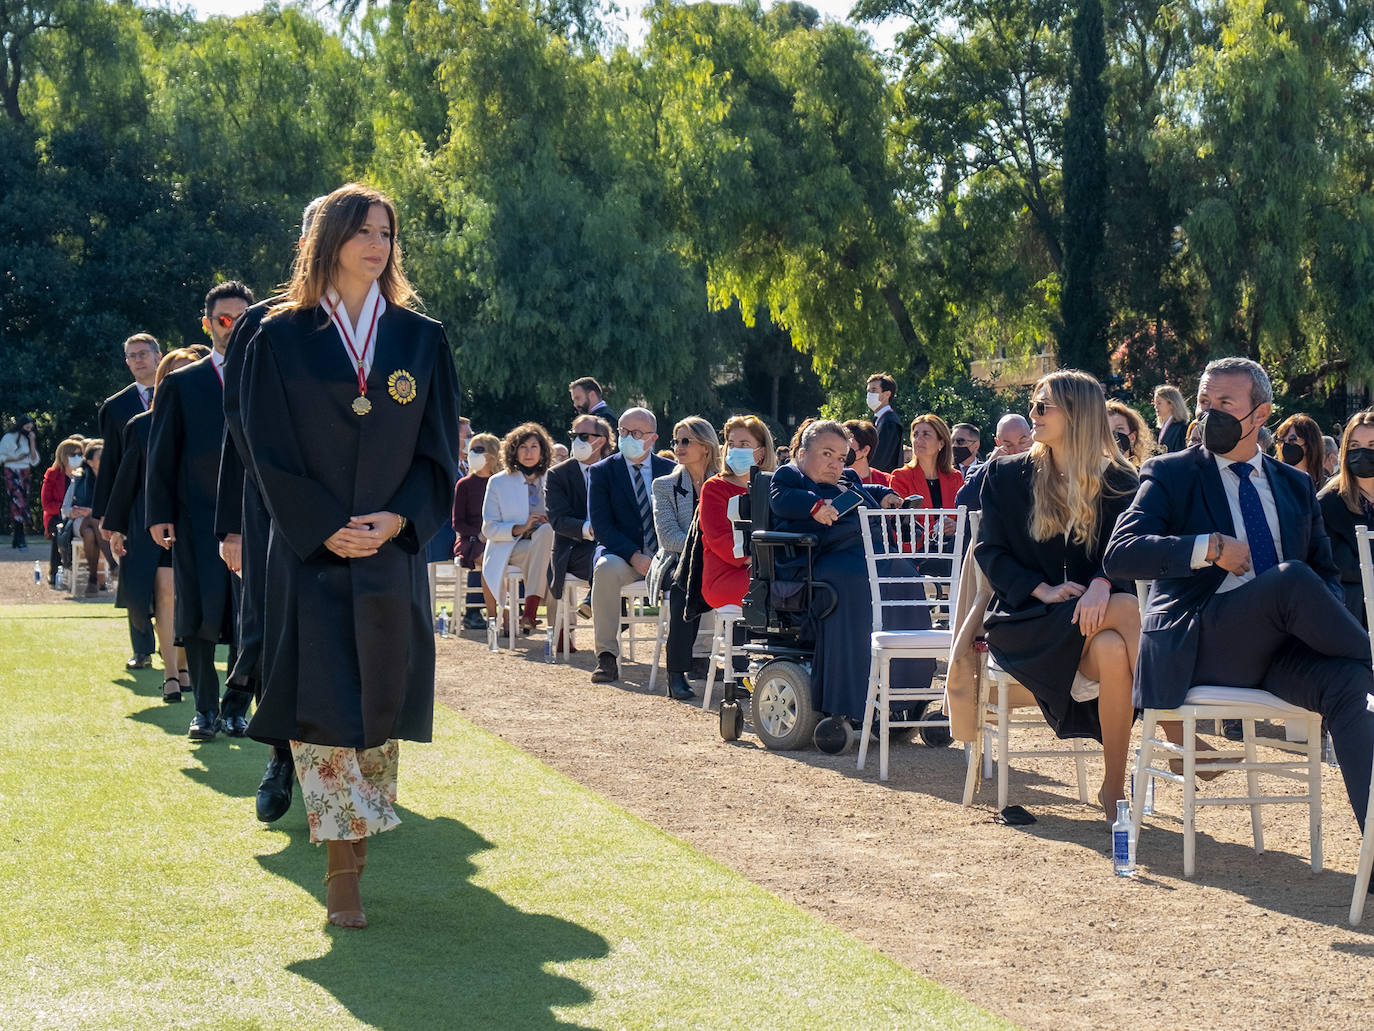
632, 449
739, 460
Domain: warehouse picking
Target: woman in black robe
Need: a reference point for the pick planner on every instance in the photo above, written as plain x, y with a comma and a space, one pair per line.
350, 410
146, 581
1047, 515
800, 497
1347, 502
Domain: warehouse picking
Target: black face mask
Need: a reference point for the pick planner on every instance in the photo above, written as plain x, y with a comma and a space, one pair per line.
1123, 441
1221, 430
1292, 453
1360, 461
962, 453
527, 469
850, 458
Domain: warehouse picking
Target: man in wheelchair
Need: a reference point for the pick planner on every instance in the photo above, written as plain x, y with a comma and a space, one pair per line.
809, 602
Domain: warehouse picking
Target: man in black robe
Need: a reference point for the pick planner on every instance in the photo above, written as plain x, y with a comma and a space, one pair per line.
141, 355
183, 473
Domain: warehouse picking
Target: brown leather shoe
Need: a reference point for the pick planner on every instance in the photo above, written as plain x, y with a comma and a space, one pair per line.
606, 672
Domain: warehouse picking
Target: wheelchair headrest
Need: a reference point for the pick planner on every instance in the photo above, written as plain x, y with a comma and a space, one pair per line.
759, 485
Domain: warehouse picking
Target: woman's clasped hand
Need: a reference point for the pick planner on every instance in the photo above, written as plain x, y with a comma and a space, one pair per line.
364, 534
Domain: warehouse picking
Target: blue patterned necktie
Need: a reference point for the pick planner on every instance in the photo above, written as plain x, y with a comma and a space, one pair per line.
1257, 535
646, 510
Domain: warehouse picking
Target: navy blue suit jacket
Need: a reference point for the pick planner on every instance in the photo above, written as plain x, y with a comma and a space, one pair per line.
1180, 497
613, 507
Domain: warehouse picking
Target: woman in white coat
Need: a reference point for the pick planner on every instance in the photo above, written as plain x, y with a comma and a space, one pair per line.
515, 520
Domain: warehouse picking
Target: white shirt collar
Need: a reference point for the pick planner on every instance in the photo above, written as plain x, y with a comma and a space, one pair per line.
1257, 460
218, 359
366, 315
879, 413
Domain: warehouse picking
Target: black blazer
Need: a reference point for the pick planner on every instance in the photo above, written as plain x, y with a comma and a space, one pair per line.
603, 411
1180, 497
565, 497
613, 506
888, 454
115, 413
1014, 562
237, 485
1340, 525
1172, 439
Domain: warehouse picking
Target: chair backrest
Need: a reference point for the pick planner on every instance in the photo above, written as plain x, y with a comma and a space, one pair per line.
1366, 576
932, 539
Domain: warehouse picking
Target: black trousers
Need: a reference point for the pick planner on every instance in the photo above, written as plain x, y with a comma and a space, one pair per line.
200, 660
1286, 633
682, 634
55, 557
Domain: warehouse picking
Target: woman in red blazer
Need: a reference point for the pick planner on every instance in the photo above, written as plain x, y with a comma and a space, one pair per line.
56, 479
724, 575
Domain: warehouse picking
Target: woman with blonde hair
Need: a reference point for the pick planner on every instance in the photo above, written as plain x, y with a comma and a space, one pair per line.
1171, 415
56, 479
1056, 620
1133, 436
696, 449
1300, 445
1347, 503
725, 575
484, 462
515, 519
349, 401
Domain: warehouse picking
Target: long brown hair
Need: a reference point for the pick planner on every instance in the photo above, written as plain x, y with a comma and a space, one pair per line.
1067, 504
944, 461
338, 219
1145, 445
510, 448
65, 450
1314, 451
171, 361
1343, 480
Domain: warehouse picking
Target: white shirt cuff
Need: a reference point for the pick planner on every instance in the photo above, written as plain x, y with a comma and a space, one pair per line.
1200, 543
587, 531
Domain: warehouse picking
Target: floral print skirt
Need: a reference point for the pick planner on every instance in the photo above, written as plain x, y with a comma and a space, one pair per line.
349, 792
17, 495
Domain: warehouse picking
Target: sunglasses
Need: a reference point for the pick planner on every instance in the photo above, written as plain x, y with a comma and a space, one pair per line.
585, 436
684, 441
477, 451
1038, 407
225, 320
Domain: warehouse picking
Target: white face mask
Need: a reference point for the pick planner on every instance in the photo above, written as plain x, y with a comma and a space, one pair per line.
581, 450
477, 462
74, 461
873, 402
632, 449
739, 459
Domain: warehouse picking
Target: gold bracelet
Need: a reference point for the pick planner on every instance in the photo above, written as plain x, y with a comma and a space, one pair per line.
400, 528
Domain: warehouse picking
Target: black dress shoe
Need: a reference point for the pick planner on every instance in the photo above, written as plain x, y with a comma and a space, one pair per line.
235, 726
700, 669
474, 621
679, 688
1233, 730
139, 661
204, 727
274, 793
607, 670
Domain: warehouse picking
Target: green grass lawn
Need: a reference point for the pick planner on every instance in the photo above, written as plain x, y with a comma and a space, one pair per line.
139, 891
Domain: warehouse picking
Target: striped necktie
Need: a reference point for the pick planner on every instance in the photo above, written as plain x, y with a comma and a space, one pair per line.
646, 510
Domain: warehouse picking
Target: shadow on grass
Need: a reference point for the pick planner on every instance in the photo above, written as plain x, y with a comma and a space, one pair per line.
439, 951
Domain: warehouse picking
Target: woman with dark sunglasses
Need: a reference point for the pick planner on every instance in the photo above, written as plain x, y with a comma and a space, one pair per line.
1347, 503
484, 459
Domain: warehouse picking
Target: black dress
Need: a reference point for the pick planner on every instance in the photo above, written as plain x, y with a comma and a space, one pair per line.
839, 681
1036, 643
124, 513
1340, 527
348, 648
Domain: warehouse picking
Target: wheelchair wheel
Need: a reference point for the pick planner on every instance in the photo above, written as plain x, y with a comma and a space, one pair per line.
833, 735
935, 737
783, 716
731, 721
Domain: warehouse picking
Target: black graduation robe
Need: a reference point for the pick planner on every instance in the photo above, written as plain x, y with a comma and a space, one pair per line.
115, 413
124, 514
348, 652
239, 507
183, 471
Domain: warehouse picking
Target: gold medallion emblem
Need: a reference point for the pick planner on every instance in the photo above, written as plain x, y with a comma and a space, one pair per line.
361, 405
401, 386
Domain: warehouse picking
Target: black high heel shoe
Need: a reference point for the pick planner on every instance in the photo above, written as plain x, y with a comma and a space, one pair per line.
678, 687
171, 696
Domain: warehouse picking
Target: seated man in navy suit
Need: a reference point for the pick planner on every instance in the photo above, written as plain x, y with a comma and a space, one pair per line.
565, 496
1245, 592
620, 501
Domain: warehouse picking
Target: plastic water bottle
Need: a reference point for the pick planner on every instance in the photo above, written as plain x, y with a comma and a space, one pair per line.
1123, 841
493, 638
1331, 759
442, 622
37, 573
61, 580
550, 652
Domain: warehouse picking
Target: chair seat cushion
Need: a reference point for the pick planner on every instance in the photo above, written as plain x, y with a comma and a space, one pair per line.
1083, 689
730, 612
1210, 694
912, 640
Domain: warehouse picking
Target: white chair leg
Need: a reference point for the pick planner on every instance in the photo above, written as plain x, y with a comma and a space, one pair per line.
1314, 790
659, 632
512, 603
1142, 774
884, 712
1252, 785
1081, 762
1365, 865
1189, 795
1003, 746
433, 589
711, 664
971, 760
987, 748
869, 701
